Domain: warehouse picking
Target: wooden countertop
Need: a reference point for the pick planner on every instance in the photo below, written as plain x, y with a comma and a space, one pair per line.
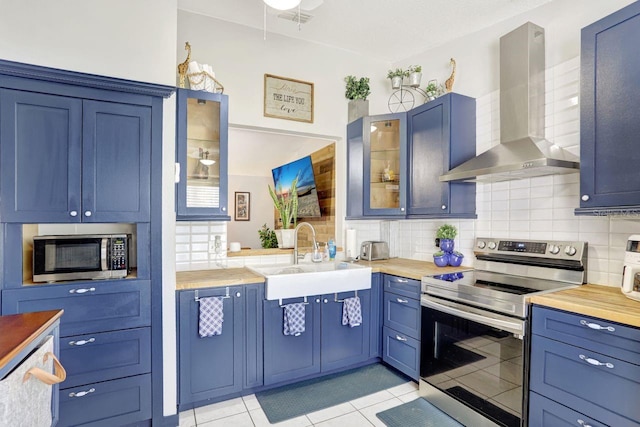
19, 330
604, 302
411, 269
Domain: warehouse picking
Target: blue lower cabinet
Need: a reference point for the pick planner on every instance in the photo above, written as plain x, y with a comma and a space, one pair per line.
104, 356
544, 412
375, 330
107, 404
253, 368
402, 352
287, 357
402, 314
210, 367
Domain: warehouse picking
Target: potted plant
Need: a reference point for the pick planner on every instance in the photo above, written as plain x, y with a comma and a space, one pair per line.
396, 77
446, 233
356, 92
441, 259
268, 237
455, 259
286, 203
432, 90
415, 74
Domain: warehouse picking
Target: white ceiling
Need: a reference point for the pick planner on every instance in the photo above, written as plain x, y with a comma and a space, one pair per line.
384, 29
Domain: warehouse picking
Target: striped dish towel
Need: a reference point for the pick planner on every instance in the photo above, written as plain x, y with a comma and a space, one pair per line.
211, 316
351, 312
294, 321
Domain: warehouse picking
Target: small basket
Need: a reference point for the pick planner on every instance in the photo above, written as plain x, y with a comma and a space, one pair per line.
204, 81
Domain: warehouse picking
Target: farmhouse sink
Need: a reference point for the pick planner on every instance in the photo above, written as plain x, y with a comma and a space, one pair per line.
299, 280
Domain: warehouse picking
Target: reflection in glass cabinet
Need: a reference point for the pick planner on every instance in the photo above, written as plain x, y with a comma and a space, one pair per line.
384, 174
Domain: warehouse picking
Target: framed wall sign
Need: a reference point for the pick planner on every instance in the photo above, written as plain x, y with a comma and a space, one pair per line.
288, 99
243, 206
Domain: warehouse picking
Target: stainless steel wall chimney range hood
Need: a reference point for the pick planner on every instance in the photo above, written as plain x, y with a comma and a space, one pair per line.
523, 151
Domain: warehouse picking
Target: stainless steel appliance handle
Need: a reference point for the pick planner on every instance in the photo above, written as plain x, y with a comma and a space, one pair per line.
497, 321
103, 253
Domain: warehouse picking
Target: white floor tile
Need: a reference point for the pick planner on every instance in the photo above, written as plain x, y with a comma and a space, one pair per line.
354, 419
403, 388
251, 402
371, 399
260, 419
409, 397
238, 420
187, 418
220, 410
370, 411
331, 412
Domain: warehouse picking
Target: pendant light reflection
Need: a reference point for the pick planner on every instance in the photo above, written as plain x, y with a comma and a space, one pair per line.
282, 4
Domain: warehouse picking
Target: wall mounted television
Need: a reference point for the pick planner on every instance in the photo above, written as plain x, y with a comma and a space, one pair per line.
308, 204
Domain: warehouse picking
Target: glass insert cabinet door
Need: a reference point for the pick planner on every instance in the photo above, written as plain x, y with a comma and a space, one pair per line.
385, 164
202, 133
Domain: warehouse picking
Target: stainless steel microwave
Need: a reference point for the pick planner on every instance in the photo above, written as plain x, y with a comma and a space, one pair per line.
76, 257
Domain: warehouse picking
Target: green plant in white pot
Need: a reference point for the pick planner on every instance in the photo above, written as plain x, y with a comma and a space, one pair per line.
415, 75
396, 77
356, 92
286, 203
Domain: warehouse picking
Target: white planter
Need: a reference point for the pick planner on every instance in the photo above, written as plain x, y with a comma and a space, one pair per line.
396, 82
358, 108
285, 238
414, 79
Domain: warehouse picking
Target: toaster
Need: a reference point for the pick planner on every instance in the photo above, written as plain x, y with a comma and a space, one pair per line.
372, 250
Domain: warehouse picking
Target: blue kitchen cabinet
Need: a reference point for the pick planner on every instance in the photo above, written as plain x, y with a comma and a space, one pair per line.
442, 135
202, 153
254, 340
210, 367
66, 159
375, 340
609, 101
587, 365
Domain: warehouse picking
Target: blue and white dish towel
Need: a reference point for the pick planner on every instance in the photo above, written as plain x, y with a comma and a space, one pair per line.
351, 312
294, 320
211, 316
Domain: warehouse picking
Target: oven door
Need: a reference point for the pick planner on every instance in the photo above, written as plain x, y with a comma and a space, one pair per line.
472, 363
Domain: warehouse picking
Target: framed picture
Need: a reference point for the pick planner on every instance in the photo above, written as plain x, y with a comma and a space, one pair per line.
288, 99
243, 206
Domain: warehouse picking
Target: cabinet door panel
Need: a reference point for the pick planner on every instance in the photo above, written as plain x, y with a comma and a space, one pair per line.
40, 146
402, 352
547, 413
116, 179
402, 314
254, 296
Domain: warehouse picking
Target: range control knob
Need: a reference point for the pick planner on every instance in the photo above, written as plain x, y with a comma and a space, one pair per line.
570, 250
481, 244
492, 245
554, 249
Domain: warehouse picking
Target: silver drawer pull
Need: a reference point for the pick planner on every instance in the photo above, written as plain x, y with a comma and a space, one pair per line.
82, 290
597, 327
583, 424
402, 281
595, 362
82, 342
399, 338
82, 393
402, 301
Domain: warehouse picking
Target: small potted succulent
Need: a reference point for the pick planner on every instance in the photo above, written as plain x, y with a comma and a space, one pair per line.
441, 259
415, 74
446, 233
396, 77
433, 90
356, 92
455, 259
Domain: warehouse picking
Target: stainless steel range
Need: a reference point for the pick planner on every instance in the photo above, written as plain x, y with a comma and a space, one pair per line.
474, 327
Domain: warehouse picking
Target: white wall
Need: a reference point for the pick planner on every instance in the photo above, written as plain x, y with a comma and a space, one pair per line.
261, 209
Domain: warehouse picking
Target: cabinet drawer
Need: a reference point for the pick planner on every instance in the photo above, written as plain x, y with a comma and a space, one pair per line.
107, 404
402, 314
88, 306
402, 286
105, 356
401, 351
608, 338
596, 385
547, 413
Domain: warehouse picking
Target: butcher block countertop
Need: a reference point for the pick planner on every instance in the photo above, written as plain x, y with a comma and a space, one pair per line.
241, 276
604, 302
19, 330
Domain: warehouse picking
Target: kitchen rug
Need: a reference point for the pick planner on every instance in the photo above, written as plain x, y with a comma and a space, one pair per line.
417, 413
307, 396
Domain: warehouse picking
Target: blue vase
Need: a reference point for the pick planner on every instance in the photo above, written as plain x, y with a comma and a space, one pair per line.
442, 260
446, 245
455, 259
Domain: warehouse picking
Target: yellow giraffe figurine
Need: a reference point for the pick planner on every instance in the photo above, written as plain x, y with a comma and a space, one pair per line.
449, 82
182, 68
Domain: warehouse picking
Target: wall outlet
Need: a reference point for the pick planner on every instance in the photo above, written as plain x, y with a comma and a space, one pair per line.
212, 246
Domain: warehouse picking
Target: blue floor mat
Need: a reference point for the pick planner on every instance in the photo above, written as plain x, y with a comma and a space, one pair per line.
301, 398
417, 413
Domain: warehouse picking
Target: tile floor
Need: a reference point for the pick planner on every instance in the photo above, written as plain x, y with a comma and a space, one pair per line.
246, 411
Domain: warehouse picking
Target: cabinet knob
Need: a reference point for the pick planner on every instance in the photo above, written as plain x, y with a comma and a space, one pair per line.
73, 213
317, 300
401, 209
326, 301
399, 338
224, 209
443, 207
238, 294
585, 197
87, 213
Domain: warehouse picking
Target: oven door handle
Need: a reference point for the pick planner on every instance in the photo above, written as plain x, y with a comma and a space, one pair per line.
516, 327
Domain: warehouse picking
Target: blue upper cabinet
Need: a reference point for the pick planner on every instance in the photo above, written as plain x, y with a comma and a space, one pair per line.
442, 135
609, 101
68, 160
201, 150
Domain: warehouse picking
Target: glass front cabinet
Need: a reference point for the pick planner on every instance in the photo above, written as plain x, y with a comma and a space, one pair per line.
201, 152
379, 144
